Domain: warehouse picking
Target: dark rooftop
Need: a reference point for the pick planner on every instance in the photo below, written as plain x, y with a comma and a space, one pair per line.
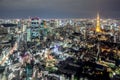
9, 25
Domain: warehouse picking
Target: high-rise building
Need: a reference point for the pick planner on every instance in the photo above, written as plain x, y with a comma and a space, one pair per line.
28, 34
35, 27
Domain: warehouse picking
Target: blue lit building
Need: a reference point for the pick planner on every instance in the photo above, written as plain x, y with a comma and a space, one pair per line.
35, 24
43, 29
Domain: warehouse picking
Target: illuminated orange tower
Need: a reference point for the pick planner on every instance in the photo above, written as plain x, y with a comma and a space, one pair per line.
98, 29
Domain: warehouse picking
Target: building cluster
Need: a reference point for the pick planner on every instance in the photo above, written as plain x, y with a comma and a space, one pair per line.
59, 49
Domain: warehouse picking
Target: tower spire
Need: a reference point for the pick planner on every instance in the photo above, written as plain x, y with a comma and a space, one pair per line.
98, 29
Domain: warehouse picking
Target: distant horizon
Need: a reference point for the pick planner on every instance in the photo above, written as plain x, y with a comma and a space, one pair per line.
58, 17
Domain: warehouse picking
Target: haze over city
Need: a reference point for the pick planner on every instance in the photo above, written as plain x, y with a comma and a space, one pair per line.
59, 8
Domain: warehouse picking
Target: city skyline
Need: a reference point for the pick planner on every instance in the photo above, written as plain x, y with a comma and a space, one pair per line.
59, 8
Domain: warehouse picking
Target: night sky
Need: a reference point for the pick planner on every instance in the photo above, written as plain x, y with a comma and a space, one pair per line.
59, 8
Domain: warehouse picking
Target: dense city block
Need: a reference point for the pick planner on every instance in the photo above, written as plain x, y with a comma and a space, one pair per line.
60, 49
